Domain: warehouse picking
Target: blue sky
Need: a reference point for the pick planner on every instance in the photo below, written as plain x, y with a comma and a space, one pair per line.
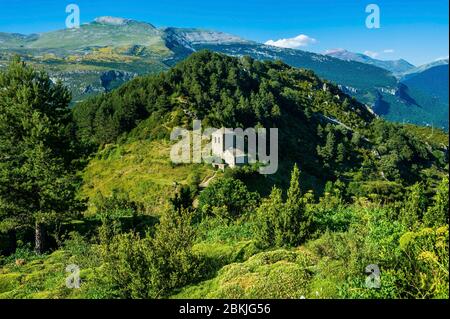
414, 30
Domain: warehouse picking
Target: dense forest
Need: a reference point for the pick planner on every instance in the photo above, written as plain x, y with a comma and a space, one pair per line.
93, 186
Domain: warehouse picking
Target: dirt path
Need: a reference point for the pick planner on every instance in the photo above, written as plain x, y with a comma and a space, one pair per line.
206, 182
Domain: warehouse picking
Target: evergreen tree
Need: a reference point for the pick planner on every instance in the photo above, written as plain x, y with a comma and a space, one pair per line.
327, 152
293, 209
283, 223
340, 158
37, 187
296, 221
269, 225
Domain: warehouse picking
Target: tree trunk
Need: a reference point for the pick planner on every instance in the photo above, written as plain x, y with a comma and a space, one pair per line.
39, 238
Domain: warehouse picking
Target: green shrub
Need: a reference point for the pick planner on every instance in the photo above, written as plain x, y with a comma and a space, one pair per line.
151, 267
227, 198
437, 214
425, 263
336, 219
281, 223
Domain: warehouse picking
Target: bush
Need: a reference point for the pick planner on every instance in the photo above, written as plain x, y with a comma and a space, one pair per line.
281, 223
437, 214
228, 198
151, 267
337, 219
425, 263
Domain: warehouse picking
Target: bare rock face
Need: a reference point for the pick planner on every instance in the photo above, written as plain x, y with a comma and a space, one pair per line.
108, 78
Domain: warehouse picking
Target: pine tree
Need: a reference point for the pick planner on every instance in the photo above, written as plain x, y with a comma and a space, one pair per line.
269, 225
341, 154
327, 152
296, 221
36, 151
283, 223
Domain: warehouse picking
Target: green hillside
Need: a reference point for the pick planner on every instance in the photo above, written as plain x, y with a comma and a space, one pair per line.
81, 57
98, 34
360, 76
143, 170
352, 190
208, 86
362, 150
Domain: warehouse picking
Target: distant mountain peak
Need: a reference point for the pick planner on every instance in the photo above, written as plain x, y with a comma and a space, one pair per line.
335, 51
202, 36
397, 67
118, 21
425, 67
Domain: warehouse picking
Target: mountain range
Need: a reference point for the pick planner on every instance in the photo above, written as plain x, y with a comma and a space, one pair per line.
397, 67
103, 54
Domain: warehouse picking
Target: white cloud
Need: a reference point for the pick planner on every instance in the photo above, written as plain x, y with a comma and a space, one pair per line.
301, 40
372, 54
389, 51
